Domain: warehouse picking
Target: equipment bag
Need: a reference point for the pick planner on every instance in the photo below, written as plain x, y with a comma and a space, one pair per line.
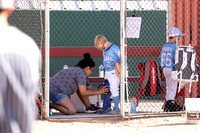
186, 67
150, 82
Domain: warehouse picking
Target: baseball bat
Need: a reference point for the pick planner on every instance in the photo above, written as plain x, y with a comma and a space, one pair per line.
190, 43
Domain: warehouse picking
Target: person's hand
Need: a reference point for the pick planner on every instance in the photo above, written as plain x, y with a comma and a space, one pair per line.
117, 69
104, 90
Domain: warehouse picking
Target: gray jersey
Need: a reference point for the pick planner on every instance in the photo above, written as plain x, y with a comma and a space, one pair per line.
67, 80
19, 79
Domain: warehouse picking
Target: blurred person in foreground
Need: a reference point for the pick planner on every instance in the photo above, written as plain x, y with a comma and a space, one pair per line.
19, 75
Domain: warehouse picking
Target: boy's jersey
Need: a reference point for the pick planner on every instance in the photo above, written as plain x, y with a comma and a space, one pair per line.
111, 56
167, 55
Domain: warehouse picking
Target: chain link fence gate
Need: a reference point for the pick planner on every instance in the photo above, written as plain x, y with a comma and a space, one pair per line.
148, 20
75, 23
145, 44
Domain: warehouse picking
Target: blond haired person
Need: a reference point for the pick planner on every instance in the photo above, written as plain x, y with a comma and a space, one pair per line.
111, 56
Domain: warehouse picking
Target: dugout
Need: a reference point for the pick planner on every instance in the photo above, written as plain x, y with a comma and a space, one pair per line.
74, 31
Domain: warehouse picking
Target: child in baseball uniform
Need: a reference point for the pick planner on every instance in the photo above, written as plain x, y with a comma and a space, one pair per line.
111, 56
167, 57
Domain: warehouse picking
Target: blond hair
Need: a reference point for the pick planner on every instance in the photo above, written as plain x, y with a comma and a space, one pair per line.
99, 39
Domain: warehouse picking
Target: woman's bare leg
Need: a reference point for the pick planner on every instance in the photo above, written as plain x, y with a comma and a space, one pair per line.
65, 106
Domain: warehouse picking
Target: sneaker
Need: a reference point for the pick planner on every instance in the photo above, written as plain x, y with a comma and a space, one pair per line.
172, 106
91, 109
97, 108
198, 96
115, 111
163, 106
101, 111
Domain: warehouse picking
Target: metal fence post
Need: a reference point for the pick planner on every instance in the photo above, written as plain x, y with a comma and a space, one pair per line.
46, 115
122, 50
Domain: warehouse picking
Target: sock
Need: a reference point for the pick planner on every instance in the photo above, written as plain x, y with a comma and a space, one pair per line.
116, 102
109, 107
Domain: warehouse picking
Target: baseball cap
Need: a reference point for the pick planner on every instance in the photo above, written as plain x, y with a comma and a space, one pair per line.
4, 4
175, 31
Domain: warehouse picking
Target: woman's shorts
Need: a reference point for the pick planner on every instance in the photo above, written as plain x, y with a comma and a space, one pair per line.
56, 98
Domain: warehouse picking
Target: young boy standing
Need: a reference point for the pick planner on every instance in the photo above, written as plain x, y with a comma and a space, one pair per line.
111, 56
167, 57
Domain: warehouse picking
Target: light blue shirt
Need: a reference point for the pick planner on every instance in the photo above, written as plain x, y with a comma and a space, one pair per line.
111, 56
167, 55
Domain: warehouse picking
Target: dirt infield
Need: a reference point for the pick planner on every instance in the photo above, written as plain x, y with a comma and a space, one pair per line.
144, 125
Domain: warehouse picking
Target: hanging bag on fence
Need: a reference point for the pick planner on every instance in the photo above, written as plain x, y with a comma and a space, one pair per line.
186, 67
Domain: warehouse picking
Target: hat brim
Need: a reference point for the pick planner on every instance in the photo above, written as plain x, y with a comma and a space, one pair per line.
183, 35
177, 35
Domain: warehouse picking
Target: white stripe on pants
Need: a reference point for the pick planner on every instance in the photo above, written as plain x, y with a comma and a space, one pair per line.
171, 84
114, 82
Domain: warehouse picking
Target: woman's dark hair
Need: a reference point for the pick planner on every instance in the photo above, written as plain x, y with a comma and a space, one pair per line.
87, 61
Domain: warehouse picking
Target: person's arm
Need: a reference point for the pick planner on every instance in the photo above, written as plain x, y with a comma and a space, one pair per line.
85, 92
91, 88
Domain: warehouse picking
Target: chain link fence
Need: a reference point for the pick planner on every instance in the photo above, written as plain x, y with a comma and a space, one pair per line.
75, 23
146, 46
149, 23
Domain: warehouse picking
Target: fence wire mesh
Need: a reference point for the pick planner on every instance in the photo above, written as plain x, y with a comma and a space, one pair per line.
75, 23
153, 35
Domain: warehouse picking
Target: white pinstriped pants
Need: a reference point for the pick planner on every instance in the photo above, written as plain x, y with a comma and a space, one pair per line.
171, 84
114, 81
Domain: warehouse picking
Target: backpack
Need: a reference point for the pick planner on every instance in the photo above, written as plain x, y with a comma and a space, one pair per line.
186, 67
150, 83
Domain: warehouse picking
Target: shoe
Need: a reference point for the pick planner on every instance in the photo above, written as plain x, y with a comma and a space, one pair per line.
115, 111
91, 109
172, 106
163, 106
97, 108
198, 96
101, 111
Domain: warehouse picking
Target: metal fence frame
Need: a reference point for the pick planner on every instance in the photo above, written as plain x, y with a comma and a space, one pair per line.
123, 42
123, 47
